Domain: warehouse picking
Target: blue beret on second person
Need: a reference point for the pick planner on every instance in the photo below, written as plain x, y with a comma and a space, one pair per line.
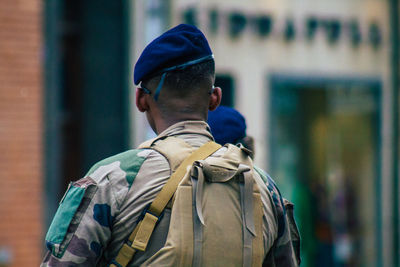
227, 125
180, 46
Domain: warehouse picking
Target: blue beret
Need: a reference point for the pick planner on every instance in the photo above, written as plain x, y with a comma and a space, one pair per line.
180, 46
227, 125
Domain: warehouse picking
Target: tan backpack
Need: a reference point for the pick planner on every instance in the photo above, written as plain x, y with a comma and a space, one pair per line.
216, 217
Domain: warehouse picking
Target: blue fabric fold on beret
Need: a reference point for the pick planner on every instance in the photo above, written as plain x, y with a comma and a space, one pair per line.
177, 46
227, 125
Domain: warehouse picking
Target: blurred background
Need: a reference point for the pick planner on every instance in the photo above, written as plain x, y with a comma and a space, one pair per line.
317, 80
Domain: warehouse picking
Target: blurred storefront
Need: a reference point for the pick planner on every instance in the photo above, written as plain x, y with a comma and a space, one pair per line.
314, 81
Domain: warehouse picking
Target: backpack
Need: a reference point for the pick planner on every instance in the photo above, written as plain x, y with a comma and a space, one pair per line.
216, 216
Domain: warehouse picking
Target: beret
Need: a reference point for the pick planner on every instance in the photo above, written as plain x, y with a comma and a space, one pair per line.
182, 45
227, 125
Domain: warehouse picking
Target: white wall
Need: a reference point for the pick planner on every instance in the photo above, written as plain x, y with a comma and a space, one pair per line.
251, 58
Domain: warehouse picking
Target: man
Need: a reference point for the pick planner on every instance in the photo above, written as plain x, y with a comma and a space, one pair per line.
175, 74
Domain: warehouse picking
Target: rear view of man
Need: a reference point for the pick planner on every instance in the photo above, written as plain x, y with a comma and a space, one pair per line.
119, 214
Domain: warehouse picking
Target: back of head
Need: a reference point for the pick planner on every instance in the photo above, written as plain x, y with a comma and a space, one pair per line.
184, 91
178, 69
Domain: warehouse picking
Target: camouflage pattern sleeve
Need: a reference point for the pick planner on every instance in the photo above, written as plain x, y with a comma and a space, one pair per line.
285, 251
82, 226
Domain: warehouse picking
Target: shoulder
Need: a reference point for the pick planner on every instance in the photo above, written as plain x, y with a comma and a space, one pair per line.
95, 200
115, 175
124, 166
270, 183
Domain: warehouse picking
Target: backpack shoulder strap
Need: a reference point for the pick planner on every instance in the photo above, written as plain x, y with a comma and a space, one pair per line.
174, 149
140, 236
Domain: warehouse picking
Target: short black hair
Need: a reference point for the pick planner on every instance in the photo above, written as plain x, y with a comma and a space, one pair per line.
178, 82
185, 91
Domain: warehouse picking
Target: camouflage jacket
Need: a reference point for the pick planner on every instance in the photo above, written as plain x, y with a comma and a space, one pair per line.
98, 212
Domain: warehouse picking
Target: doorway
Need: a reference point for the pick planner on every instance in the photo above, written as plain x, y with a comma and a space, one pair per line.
324, 151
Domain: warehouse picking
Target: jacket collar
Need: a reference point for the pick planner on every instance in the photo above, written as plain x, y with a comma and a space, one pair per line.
187, 127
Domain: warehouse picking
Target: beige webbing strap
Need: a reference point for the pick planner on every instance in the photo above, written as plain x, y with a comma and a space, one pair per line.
258, 243
169, 189
174, 149
144, 229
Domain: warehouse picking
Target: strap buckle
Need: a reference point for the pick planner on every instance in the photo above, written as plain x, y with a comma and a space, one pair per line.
146, 210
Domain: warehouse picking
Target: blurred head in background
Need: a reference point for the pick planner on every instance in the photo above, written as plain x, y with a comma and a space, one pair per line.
229, 126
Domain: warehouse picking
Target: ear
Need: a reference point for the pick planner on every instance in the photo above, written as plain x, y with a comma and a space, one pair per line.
215, 98
141, 100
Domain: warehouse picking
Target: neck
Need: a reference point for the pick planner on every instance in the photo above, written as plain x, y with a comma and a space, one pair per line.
163, 124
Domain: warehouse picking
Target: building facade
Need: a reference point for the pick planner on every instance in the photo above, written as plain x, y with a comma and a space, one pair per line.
21, 133
62, 108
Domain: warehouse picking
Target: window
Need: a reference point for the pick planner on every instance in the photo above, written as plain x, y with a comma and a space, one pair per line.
226, 82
